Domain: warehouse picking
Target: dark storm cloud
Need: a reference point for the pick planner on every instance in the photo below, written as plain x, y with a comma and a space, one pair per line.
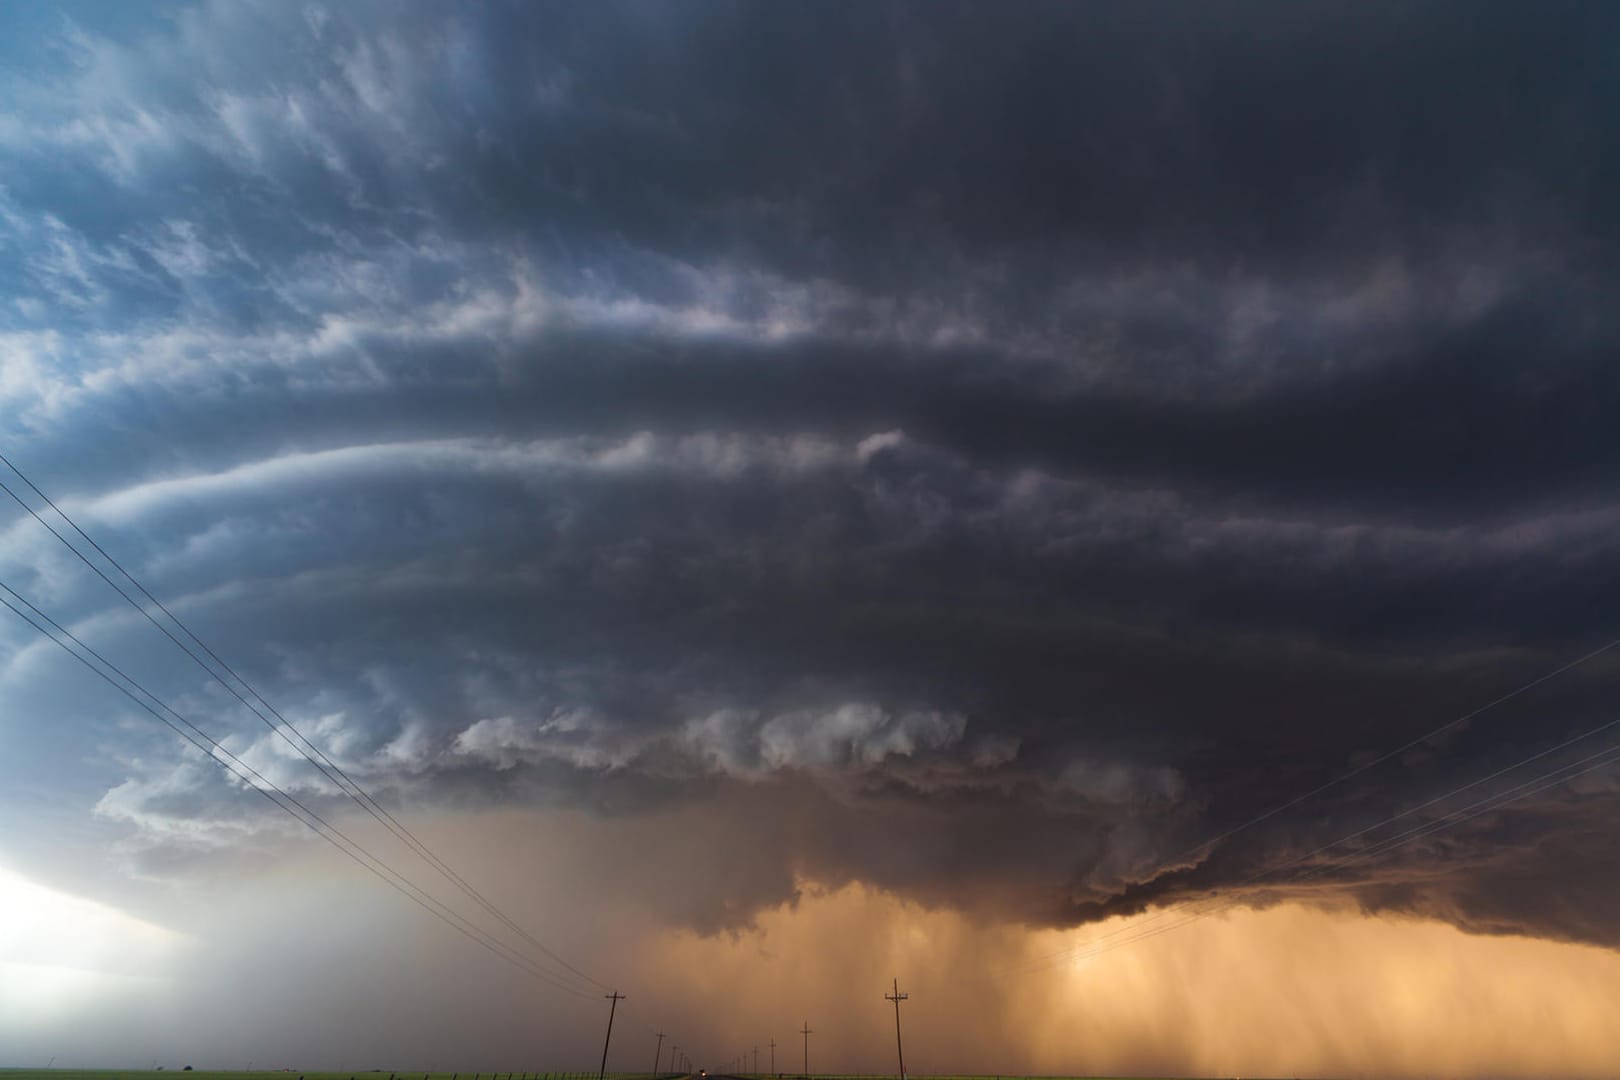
987, 451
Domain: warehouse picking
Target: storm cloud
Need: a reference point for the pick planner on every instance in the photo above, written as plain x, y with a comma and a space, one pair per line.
977, 453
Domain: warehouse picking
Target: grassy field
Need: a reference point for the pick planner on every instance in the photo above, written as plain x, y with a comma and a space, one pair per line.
178, 1072
406, 1074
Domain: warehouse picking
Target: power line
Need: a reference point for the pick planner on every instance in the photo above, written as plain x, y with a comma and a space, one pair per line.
1399, 750
329, 769
897, 997
1602, 759
1335, 782
1534, 786
233, 764
325, 765
223, 757
1215, 904
615, 997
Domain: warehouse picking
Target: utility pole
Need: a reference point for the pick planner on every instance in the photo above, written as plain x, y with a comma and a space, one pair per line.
806, 1032
773, 1057
756, 1061
897, 997
614, 997
657, 1053
674, 1057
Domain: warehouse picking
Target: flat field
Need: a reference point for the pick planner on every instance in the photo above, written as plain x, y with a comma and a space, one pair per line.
150, 1073
177, 1072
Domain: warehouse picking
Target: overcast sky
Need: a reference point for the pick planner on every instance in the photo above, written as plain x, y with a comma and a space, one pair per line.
787, 495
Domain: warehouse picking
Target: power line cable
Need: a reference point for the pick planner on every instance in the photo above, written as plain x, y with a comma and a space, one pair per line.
320, 760
245, 772
1342, 778
1593, 761
1399, 750
290, 804
1549, 779
1140, 930
330, 770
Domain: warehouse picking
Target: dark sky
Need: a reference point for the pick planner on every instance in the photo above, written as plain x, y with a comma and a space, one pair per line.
972, 452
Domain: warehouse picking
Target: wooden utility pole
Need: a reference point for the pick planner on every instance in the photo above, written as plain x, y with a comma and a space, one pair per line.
614, 997
897, 997
806, 1032
657, 1053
